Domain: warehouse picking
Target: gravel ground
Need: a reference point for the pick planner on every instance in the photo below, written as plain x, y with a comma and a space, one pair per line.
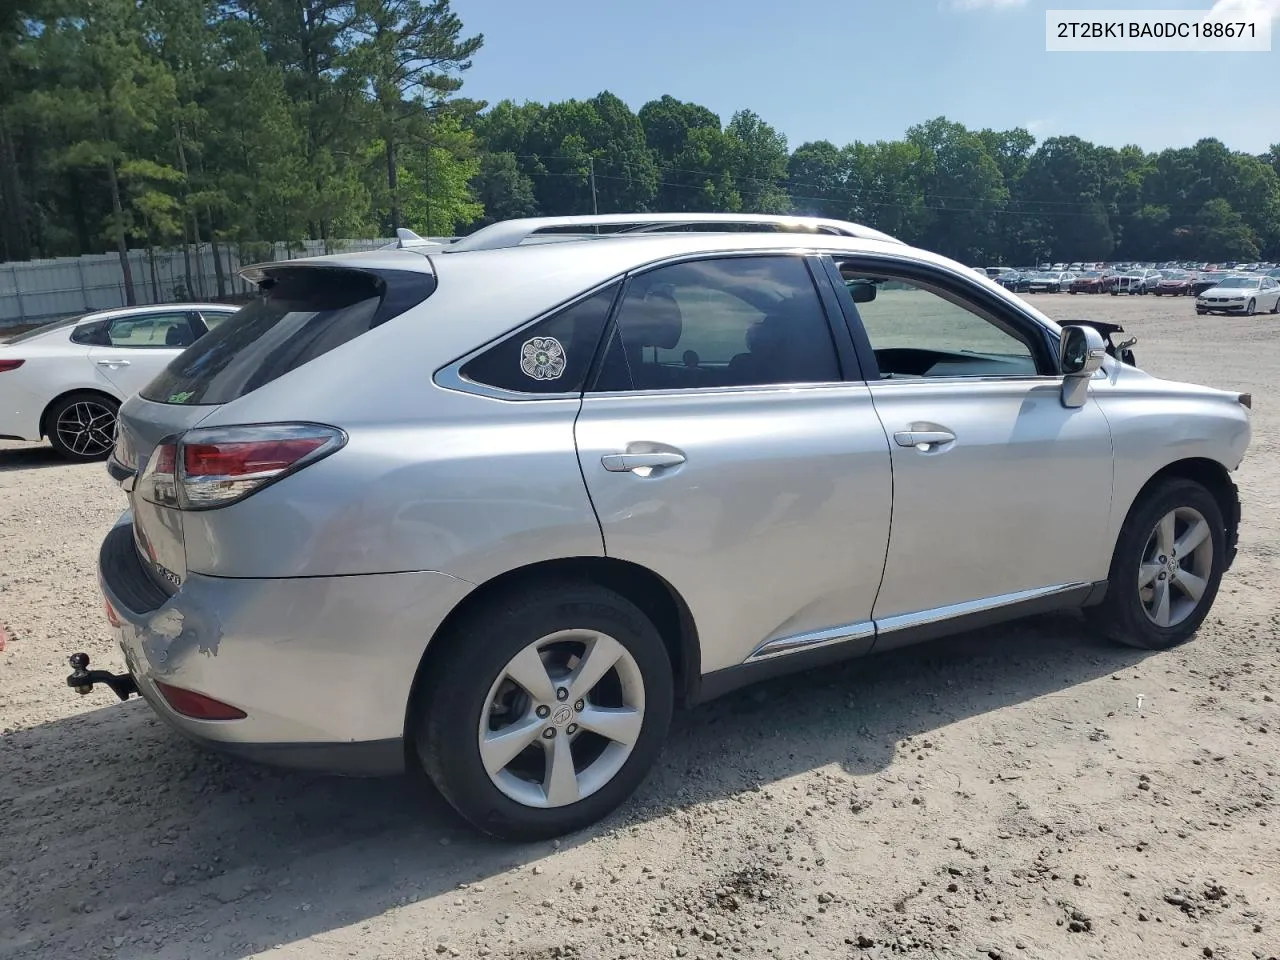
1022, 792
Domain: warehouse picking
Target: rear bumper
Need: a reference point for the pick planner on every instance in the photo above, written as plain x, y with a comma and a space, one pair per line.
322, 666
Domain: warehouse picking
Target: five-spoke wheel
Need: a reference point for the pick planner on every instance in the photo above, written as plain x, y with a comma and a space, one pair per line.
562, 718
82, 426
1166, 568
542, 710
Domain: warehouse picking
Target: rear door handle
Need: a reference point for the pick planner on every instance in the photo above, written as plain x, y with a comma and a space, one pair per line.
923, 439
625, 462
113, 363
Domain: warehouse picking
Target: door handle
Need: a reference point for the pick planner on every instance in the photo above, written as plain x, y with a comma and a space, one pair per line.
625, 462
923, 439
113, 363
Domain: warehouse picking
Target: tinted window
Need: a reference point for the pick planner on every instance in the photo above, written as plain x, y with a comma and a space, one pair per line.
919, 331
552, 356
212, 319
40, 331
151, 330
300, 314
740, 321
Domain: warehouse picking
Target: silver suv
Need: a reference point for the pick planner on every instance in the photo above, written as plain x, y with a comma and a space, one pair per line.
495, 508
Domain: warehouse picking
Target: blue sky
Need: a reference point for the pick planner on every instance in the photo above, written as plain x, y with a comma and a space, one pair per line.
868, 69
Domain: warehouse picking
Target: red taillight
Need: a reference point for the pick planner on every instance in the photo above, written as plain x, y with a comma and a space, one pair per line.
246, 457
196, 705
166, 458
112, 617
213, 466
7, 365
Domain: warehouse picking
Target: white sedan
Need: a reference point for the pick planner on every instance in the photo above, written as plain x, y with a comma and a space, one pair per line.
66, 380
1247, 295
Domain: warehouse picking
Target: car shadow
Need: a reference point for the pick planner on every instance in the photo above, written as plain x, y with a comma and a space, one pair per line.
29, 456
116, 817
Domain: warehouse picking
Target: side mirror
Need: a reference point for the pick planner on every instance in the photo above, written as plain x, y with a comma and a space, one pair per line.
1080, 355
862, 291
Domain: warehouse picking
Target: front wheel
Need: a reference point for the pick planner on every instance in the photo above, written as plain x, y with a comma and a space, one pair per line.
1166, 568
82, 426
1251, 308
543, 712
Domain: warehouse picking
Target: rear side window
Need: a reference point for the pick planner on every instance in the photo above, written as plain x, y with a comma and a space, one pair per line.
300, 314
553, 355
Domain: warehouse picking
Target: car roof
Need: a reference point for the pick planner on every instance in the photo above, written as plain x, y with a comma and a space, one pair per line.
149, 308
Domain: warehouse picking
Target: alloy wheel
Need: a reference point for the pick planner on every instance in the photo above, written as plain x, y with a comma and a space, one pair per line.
87, 428
561, 718
1175, 568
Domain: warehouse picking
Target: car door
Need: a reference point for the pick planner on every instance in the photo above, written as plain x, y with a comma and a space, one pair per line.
1000, 493
729, 446
136, 347
1270, 294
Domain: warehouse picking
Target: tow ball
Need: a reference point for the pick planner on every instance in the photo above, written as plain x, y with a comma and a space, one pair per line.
82, 678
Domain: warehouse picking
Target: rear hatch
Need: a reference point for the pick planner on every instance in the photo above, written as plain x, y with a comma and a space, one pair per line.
303, 310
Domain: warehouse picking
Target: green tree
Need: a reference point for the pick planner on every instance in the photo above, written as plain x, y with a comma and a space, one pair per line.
503, 190
759, 163
409, 52
113, 93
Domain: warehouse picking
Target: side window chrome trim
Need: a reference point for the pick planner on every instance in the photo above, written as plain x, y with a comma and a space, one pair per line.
1046, 378
730, 389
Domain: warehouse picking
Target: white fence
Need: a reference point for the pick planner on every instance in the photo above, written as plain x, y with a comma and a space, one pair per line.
37, 291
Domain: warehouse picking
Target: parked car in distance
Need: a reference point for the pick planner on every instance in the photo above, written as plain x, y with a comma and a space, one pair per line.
1141, 280
1018, 281
66, 379
1051, 281
1241, 294
1206, 279
593, 479
1174, 283
1091, 281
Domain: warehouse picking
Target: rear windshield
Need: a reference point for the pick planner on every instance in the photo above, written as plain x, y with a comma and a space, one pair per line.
300, 314
41, 330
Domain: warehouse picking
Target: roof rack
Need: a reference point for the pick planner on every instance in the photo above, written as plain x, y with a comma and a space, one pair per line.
511, 233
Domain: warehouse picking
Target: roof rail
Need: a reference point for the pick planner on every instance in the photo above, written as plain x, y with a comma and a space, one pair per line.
510, 233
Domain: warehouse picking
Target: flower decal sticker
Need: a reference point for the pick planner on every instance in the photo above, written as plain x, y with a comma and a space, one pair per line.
542, 358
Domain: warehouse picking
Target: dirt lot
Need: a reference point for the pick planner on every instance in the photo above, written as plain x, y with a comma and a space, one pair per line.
1024, 792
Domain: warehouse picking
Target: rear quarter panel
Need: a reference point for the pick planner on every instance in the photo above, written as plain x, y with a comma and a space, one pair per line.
471, 486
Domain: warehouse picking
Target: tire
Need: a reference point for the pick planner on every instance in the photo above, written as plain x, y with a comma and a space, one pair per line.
1123, 614
1157, 293
1200, 312
1072, 292
468, 687
81, 426
1251, 308
1276, 306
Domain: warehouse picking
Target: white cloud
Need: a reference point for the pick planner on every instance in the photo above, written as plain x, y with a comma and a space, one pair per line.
987, 4
1252, 9
1038, 128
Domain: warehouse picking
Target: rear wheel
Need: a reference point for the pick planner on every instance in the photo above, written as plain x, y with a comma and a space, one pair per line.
1166, 568
545, 711
82, 426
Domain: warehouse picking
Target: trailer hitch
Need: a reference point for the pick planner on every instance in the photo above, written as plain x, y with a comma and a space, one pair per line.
82, 678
